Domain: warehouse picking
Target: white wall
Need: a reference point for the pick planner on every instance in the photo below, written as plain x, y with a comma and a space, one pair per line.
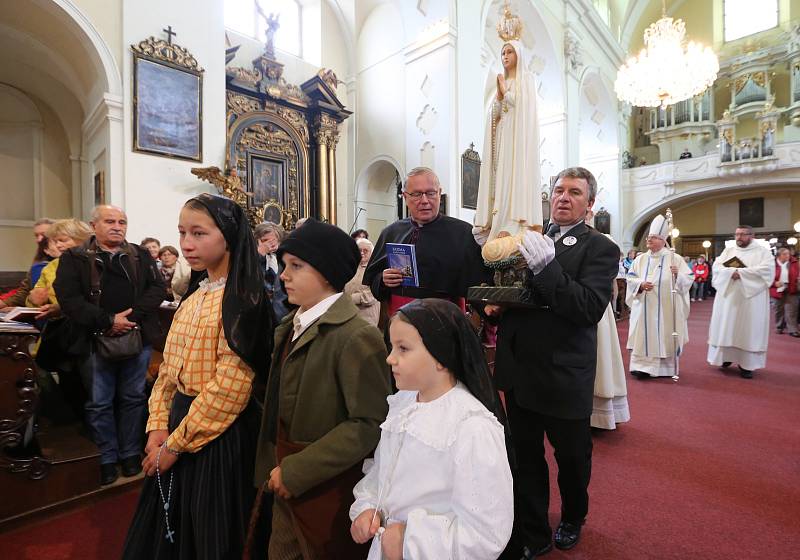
156, 187
777, 216
380, 82
598, 145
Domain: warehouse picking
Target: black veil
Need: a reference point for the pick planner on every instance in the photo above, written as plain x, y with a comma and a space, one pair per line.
246, 310
452, 341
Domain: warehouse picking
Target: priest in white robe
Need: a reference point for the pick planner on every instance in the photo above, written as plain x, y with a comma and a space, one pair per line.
739, 329
654, 348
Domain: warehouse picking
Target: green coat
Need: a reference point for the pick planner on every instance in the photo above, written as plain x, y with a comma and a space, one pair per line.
333, 392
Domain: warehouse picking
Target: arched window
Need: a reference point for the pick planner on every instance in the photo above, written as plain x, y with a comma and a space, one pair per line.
745, 17
242, 16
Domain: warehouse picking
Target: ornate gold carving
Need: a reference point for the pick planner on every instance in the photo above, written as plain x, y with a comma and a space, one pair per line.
271, 139
240, 104
296, 119
758, 78
327, 130
471, 154
510, 27
249, 77
329, 77
230, 186
728, 135
158, 49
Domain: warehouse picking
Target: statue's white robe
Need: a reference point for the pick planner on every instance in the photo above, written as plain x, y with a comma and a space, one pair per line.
509, 196
653, 348
739, 330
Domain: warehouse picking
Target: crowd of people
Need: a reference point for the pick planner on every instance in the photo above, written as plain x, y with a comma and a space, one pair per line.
284, 423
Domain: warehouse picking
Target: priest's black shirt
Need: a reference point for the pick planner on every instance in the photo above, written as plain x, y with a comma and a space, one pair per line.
448, 259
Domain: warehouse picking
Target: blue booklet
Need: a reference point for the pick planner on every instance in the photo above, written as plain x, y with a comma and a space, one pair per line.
403, 257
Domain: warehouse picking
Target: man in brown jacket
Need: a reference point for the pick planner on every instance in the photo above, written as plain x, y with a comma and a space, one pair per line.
325, 401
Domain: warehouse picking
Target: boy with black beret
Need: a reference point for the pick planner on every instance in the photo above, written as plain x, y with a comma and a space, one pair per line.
325, 401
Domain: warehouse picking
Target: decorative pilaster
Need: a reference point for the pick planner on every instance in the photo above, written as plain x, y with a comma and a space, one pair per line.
327, 136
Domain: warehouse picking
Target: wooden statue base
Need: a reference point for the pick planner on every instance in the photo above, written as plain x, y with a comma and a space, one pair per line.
510, 284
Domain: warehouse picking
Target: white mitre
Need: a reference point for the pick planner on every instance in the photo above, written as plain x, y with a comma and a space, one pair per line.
658, 227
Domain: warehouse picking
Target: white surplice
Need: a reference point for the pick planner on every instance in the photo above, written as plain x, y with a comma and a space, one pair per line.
651, 324
610, 390
739, 329
441, 468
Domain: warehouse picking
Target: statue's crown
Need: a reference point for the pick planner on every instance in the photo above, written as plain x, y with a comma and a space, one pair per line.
510, 27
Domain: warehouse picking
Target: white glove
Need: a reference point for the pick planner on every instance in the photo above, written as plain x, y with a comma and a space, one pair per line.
481, 235
537, 249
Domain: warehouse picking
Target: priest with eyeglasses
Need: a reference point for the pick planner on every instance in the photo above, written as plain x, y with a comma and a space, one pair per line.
448, 260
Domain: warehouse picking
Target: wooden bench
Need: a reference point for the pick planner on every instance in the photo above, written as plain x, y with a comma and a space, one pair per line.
39, 465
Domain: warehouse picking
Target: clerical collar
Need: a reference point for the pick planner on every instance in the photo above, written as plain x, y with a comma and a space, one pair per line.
565, 229
419, 225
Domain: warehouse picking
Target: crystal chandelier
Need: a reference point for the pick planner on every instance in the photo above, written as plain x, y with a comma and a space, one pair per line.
666, 71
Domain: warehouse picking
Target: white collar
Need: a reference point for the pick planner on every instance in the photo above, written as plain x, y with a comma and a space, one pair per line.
434, 423
310, 315
565, 229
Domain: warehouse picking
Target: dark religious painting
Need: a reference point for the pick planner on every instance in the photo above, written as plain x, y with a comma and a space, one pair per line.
99, 188
470, 178
443, 205
266, 180
602, 221
167, 110
751, 212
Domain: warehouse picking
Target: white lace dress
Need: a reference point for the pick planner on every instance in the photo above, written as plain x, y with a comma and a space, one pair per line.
441, 468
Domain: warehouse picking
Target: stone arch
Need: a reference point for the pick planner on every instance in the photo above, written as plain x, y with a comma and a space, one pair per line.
688, 196
100, 53
375, 192
75, 74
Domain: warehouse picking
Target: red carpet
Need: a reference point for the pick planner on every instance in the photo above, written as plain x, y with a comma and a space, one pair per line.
707, 468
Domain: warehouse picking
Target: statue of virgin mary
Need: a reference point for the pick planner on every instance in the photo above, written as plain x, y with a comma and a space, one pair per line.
508, 195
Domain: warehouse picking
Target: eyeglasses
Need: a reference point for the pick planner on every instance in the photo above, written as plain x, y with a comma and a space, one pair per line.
430, 195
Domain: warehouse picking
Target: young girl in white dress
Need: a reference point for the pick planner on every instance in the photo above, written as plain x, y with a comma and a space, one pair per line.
440, 485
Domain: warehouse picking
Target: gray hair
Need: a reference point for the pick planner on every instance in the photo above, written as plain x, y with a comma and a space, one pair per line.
264, 228
43, 221
364, 242
578, 173
424, 171
97, 209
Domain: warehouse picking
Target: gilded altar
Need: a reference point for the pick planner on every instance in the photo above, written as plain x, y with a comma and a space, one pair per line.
281, 140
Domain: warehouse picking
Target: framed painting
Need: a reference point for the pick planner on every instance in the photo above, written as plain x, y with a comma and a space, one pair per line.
751, 212
167, 102
99, 188
470, 177
266, 180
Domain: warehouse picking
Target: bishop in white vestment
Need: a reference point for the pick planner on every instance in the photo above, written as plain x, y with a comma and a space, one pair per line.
649, 295
739, 329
